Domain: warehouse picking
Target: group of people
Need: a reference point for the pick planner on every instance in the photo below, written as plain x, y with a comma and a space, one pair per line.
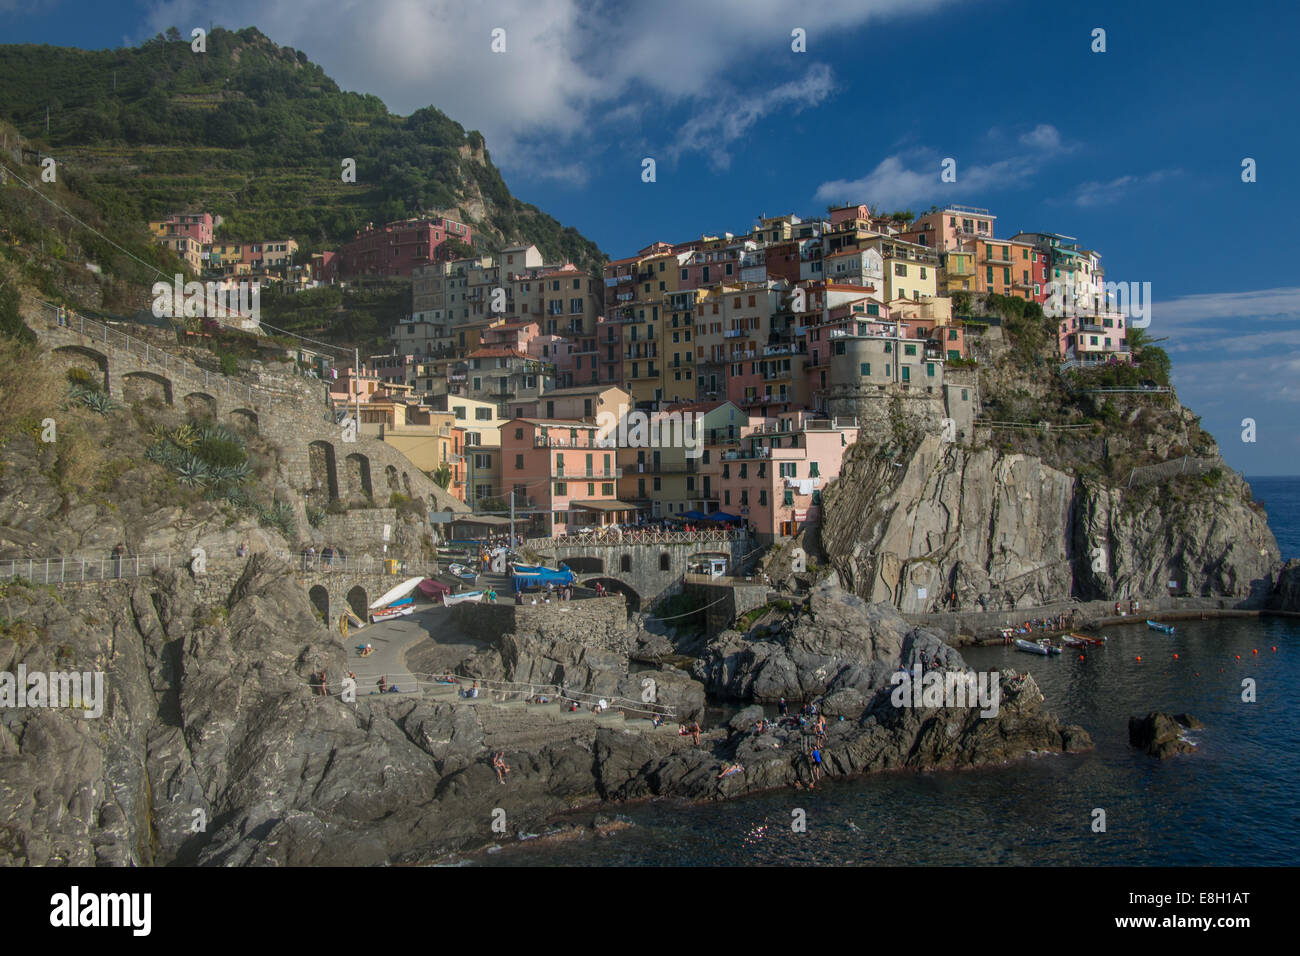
327, 556
563, 594
1133, 607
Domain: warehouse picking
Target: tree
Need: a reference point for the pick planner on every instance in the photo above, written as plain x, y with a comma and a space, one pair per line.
441, 475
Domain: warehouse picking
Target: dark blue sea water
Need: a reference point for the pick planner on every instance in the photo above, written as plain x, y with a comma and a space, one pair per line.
1235, 801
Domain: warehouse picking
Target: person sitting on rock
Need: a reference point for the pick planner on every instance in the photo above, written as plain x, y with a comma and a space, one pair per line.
500, 766
382, 684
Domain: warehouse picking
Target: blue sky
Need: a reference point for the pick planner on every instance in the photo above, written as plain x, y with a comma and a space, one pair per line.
1136, 151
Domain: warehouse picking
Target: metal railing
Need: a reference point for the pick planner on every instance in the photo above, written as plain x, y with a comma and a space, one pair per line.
643, 536
77, 569
172, 365
1148, 474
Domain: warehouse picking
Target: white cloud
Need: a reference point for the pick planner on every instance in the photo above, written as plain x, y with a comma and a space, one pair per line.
569, 65
1095, 193
731, 117
913, 177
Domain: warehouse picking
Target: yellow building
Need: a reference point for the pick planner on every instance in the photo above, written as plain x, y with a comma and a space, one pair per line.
911, 270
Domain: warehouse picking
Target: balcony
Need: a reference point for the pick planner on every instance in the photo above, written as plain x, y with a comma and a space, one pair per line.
563, 474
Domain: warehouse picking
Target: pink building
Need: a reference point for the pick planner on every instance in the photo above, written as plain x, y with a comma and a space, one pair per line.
560, 476
774, 480
398, 247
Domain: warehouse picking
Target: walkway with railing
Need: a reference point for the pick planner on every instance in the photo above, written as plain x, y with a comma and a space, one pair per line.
168, 363
77, 569
644, 536
1149, 474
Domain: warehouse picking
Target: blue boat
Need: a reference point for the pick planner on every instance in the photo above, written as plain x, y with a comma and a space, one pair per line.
540, 577
1162, 628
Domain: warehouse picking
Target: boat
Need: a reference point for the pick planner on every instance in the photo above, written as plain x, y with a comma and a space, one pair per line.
1072, 641
526, 576
432, 588
392, 611
397, 593
1042, 647
462, 572
469, 597
1162, 628
1085, 639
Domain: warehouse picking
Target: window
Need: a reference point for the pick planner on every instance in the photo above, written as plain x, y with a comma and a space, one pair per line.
625, 562
900, 269
907, 373
788, 498
952, 335
864, 369
607, 489
789, 469
762, 497
519, 462
814, 470
664, 561
561, 488
909, 349
929, 369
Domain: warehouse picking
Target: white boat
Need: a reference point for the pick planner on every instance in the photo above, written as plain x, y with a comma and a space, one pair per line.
397, 593
388, 613
462, 572
469, 597
1036, 647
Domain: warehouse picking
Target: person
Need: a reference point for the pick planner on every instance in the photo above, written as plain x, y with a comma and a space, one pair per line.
492, 595
473, 691
816, 756
534, 600
695, 732
782, 708
821, 725
500, 766
242, 550
382, 684
519, 597
656, 720
322, 680
729, 769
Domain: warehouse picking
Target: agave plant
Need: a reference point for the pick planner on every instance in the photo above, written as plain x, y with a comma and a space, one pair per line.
89, 398
193, 472
158, 452
220, 433
185, 437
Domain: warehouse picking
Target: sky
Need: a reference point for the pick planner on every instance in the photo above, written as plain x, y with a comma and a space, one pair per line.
1137, 151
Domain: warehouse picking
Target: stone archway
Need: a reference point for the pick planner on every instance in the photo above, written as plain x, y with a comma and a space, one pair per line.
357, 472
324, 483
243, 419
201, 405
320, 599
359, 602
87, 359
618, 587
584, 564
146, 387
390, 477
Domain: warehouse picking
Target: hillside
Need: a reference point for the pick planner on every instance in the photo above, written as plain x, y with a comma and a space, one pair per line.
256, 133
1064, 492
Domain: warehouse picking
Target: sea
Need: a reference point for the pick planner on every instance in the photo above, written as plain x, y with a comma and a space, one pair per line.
1235, 801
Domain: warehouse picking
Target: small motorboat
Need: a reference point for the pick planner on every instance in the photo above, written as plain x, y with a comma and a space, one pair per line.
393, 610
1162, 628
469, 597
462, 572
1072, 641
1085, 639
1043, 647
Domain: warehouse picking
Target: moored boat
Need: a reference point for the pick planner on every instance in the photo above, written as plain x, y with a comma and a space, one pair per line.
462, 572
1085, 639
469, 597
1162, 628
1031, 647
392, 611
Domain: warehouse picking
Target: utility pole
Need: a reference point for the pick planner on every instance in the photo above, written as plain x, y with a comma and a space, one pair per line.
512, 516
356, 379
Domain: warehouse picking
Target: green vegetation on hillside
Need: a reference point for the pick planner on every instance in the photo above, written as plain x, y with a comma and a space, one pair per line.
257, 134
